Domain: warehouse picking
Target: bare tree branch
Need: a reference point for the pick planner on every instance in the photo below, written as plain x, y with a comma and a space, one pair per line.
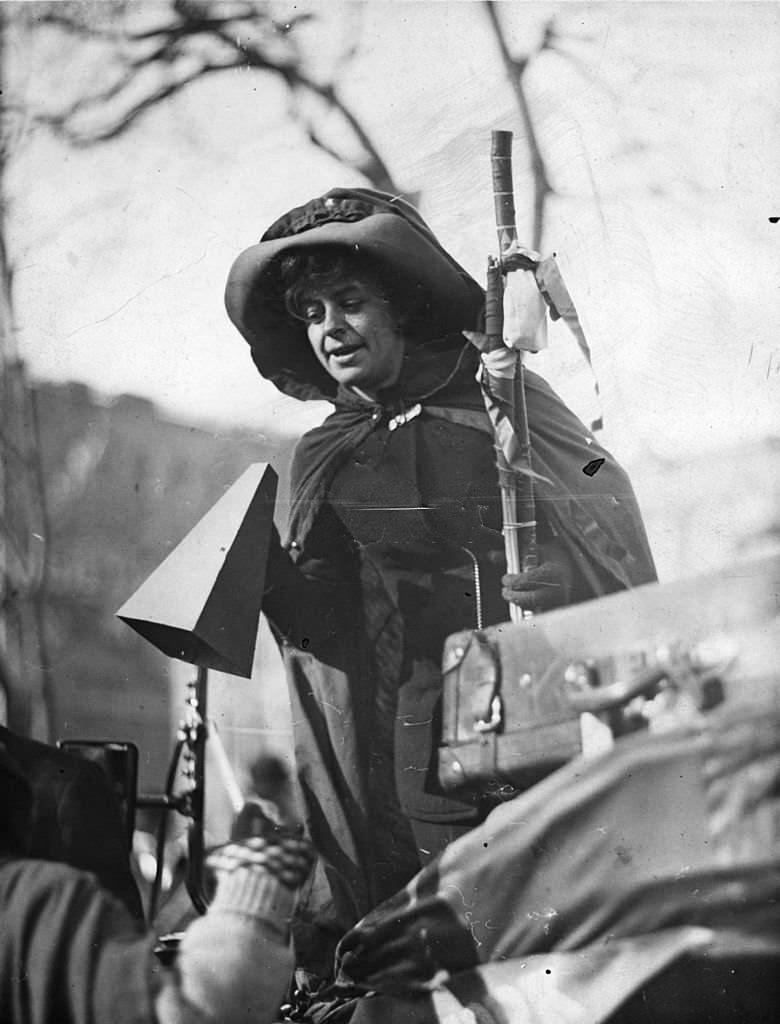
373, 166
62, 120
120, 125
515, 69
248, 37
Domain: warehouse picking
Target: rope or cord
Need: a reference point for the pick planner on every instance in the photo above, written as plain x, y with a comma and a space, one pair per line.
477, 587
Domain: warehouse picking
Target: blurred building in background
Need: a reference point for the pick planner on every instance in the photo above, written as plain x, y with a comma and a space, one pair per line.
123, 487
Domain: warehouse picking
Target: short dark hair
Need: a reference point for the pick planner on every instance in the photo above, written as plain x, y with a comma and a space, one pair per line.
319, 268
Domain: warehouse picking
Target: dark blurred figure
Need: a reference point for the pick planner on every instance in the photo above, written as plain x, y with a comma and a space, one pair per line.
69, 952
75, 816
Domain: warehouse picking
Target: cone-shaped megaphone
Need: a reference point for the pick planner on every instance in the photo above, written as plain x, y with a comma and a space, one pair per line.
202, 604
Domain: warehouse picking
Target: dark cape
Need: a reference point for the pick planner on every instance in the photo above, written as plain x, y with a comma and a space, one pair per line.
390, 504
441, 378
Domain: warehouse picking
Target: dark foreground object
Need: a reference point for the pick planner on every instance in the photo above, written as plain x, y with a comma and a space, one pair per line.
740, 990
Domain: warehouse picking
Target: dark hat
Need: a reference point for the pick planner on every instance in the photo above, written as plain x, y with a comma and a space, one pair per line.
384, 228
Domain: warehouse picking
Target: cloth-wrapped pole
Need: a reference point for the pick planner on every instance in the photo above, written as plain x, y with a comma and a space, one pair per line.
504, 397
517, 496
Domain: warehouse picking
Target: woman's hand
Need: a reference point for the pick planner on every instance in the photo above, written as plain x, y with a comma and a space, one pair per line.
548, 586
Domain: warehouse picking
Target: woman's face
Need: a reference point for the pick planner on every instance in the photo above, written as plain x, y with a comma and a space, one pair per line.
353, 333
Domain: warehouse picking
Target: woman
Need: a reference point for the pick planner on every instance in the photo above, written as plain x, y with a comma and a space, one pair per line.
394, 536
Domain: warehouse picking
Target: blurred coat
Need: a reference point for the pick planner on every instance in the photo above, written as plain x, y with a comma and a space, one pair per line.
69, 951
570, 898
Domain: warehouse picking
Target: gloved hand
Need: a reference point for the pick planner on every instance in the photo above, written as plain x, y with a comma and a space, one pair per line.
548, 586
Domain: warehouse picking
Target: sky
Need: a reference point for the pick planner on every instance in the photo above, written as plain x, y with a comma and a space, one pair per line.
661, 135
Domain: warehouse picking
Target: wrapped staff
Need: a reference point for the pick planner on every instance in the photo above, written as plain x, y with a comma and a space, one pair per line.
515, 320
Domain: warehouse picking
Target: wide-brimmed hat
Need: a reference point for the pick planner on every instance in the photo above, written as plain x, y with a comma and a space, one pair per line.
385, 229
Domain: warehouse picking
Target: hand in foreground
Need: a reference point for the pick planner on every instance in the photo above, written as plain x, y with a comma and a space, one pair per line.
288, 857
547, 586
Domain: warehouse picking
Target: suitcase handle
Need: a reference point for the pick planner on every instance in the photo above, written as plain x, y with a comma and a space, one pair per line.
706, 662
616, 694
492, 724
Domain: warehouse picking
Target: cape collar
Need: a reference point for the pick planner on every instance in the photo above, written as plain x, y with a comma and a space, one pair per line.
442, 371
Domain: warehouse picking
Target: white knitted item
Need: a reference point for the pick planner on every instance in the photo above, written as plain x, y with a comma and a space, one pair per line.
256, 893
235, 962
234, 968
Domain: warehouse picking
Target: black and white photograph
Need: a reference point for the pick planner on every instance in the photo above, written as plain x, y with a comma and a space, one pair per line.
389, 511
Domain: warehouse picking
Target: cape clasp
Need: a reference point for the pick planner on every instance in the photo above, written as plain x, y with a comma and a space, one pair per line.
403, 417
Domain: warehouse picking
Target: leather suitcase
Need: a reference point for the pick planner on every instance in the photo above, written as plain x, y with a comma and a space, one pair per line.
522, 699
